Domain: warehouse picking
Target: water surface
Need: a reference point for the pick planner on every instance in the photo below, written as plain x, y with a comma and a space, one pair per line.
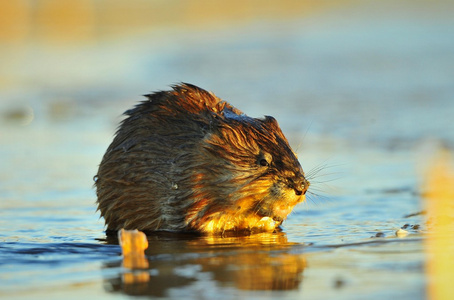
362, 91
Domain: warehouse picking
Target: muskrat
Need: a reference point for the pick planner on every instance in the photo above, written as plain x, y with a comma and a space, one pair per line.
184, 160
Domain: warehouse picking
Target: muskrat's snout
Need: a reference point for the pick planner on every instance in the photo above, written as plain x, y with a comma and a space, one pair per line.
300, 185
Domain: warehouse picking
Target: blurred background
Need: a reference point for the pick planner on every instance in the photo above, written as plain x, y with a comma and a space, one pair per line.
317, 59
337, 75
363, 89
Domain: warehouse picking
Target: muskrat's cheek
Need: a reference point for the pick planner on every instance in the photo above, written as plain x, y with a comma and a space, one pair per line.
286, 202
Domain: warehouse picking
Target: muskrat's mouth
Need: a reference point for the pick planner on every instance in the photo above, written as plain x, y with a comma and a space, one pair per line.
277, 219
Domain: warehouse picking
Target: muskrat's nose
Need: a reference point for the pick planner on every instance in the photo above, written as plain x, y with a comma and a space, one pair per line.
300, 186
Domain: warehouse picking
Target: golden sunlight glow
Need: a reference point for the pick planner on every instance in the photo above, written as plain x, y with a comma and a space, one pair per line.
82, 20
440, 242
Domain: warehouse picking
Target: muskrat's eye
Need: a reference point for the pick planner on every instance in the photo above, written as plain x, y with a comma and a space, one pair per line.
264, 159
264, 162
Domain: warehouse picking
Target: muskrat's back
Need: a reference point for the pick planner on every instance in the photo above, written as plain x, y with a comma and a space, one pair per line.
184, 160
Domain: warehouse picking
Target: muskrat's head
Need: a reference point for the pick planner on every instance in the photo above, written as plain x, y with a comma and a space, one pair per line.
252, 173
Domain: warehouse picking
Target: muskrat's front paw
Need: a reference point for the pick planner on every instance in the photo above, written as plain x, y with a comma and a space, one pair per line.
267, 224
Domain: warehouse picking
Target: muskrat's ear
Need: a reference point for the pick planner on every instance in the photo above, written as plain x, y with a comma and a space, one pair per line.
271, 122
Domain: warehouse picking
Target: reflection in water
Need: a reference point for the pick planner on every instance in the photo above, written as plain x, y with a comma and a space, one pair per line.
256, 262
133, 244
258, 271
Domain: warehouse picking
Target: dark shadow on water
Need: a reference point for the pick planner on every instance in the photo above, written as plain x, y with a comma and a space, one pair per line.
259, 262
53, 254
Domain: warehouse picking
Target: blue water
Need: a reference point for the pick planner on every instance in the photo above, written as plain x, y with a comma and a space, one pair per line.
363, 92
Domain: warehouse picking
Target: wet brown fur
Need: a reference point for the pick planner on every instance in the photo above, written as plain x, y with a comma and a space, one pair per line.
184, 160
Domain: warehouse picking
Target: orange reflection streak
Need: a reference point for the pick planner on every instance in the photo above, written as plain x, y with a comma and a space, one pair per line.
440, 243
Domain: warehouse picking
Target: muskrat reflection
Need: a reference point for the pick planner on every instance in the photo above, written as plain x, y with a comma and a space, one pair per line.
257, 262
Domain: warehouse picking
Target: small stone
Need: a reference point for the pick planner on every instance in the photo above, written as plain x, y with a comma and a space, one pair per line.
401, 233
339, 283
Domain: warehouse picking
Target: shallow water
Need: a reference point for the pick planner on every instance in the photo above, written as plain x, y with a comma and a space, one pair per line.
364, 92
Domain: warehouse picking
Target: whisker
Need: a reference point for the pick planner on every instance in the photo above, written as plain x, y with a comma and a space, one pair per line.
316, 198
323, 188
312, 190
297, 148
304, 136
319, 178
317, 169
324, 181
